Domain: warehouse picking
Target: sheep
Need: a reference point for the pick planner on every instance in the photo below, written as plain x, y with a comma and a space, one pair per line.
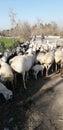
58, 58
6, 73
58, 55
23, 63
47, 60
61, 70
36, 68
39, 57
6, 92
5, 55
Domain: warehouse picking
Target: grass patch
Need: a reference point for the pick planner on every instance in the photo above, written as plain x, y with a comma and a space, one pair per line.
9, 43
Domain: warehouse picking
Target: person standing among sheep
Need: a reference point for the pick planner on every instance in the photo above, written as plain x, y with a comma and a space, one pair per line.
42, 37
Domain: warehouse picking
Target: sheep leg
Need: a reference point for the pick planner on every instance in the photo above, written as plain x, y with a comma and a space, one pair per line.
56, 67
12, 83
61, 70
35, 75
27, 76
15, 79
41, 72
47, 70
24, 80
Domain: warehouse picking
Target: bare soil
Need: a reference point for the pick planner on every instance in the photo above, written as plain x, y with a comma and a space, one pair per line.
39, 107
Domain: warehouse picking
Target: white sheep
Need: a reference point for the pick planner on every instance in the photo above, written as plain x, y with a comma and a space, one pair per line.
46, 59
39, 57
36, 68
6, 73
58, 57
6, 92
23, 64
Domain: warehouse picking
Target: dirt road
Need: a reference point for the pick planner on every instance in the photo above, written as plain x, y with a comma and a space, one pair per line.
40, 107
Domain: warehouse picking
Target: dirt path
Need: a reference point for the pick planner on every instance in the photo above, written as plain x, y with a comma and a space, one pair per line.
47, 112
40, 107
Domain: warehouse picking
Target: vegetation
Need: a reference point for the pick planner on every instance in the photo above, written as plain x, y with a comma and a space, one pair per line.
7, 43
24, 30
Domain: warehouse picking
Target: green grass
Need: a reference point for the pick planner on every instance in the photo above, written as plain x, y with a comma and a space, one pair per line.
8, 43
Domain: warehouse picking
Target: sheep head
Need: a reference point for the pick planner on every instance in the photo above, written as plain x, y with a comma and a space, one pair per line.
5, 92
8, 94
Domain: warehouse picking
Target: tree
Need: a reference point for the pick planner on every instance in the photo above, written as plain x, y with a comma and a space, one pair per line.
12, 16
24, 30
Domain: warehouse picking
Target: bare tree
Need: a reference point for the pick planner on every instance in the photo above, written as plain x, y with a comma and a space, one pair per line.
37, 28
25, 31
12, 16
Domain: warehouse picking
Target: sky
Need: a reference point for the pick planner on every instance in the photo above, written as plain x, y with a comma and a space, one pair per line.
31, 10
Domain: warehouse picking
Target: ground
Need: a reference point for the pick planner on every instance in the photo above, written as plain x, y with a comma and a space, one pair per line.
39, 107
